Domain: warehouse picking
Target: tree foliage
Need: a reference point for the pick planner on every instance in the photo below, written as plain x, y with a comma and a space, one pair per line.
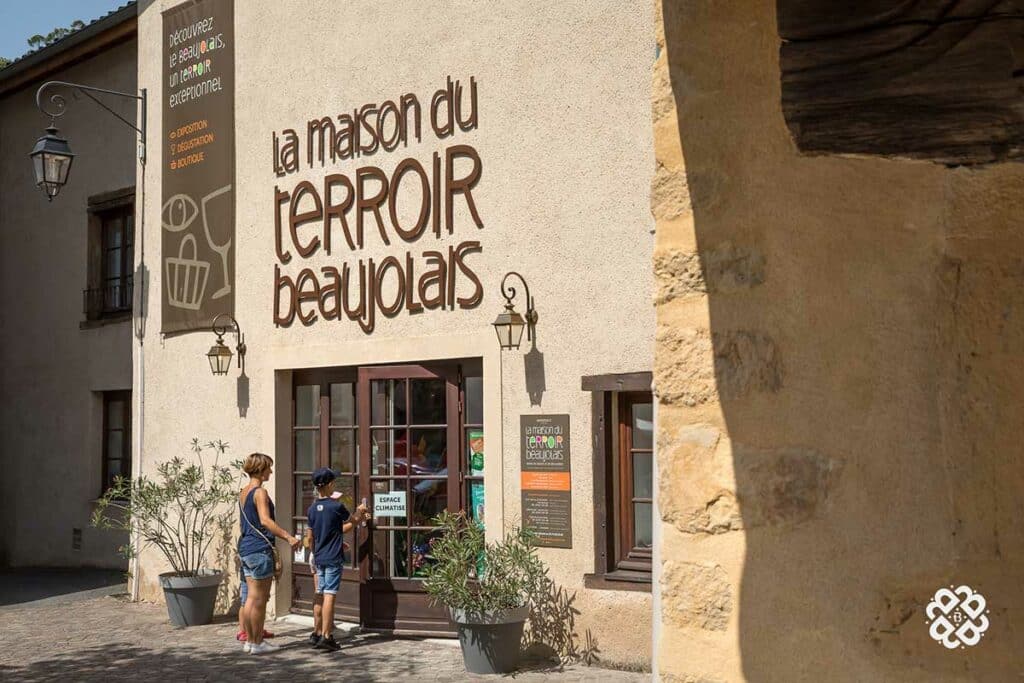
180, 511
37, 41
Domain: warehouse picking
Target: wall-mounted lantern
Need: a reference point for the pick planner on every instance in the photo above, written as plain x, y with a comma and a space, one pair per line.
52, 156
219, 354
509, 324
51, 162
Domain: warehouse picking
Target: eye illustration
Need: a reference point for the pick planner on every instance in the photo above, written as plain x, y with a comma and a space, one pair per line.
178, 213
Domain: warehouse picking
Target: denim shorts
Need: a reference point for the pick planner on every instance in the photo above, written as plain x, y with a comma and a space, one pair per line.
328, 579
258, 566
243, 592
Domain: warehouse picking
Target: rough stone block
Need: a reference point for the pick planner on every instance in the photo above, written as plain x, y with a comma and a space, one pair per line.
677, 274
693, 367
730, 268
709, 485
686, 678
745, 362
696, 595
684, 366
663, 102
670, 195
726, 268
782, 486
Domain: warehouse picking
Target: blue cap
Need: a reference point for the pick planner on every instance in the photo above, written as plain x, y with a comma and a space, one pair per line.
324, 475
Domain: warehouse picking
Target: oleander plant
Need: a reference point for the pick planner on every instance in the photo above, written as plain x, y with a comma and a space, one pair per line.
181, 510
471, 575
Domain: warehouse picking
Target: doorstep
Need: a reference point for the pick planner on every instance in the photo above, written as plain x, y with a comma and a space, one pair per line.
350, 629
307, 621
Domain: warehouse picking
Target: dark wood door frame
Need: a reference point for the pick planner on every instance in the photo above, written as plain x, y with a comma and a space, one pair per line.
378, 596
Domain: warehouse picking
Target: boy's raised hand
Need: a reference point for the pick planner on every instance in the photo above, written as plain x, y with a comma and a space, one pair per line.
361, 512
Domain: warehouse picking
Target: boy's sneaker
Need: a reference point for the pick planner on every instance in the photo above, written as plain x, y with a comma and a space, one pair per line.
314, 639
329, 644
262, 648
246, 646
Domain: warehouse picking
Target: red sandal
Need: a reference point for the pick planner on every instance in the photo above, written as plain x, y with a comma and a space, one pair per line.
242, 637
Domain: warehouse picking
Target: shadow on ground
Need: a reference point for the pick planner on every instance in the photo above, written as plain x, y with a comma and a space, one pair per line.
118, 662
358, 660
30, 584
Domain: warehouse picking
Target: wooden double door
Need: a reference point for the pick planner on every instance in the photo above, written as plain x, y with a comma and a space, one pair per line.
395, 434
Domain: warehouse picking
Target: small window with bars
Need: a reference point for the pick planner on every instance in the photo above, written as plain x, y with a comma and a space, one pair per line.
110, 290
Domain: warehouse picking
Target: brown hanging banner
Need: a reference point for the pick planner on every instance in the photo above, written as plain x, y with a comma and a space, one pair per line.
197, 214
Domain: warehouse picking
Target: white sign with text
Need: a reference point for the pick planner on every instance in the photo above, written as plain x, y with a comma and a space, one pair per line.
390, 504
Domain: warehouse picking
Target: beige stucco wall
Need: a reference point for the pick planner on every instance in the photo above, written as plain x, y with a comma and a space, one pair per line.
838, 370
565, 143
51, 415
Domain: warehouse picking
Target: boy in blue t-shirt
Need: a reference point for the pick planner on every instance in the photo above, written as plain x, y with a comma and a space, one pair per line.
329, 521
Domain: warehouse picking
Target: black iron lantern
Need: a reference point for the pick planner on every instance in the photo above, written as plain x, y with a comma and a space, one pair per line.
509, 324
219, 354
51, 162
52, 157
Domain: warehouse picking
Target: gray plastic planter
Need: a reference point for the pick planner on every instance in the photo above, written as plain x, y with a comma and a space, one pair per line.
491, 642
190, 597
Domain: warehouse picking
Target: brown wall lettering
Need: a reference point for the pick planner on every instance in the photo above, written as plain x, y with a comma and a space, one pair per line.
446, 280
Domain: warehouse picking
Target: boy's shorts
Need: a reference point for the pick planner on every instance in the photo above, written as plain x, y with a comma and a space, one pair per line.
328, 579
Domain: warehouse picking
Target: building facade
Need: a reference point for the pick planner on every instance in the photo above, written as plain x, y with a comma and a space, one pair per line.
67, 270
768, 474
490, 165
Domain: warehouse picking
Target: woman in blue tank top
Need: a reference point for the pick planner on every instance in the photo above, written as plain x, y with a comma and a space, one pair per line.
255, 548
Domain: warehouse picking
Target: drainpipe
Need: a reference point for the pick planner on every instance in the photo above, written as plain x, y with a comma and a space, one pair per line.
140, 334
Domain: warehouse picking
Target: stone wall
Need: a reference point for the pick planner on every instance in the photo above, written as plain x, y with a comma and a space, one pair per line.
838, 371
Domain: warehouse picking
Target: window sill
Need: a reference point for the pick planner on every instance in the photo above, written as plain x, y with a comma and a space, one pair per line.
619, 581
103, 322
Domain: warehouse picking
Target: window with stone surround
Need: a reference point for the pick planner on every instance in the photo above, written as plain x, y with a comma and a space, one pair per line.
623, 440
107, 296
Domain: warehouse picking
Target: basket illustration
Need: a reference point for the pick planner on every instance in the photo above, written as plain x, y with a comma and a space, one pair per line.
186, 277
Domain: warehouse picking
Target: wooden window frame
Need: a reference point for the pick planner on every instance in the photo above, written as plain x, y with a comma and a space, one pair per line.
101, 207
629, 557
465, 371
612, 572
126, 442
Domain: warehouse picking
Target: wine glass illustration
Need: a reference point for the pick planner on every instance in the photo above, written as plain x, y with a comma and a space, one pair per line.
222, 249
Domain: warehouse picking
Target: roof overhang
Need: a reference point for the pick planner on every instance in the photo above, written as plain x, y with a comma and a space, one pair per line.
100, 35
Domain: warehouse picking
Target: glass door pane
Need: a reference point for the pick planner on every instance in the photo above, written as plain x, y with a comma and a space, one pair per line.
410, 442
408, 459
343, 454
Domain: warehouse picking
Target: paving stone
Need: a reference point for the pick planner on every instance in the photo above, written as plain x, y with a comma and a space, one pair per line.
109, 639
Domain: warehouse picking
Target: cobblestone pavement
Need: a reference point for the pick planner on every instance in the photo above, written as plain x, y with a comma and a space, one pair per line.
109, 639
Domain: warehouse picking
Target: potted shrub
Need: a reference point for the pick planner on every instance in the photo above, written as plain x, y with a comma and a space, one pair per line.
486, 588
181, 511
